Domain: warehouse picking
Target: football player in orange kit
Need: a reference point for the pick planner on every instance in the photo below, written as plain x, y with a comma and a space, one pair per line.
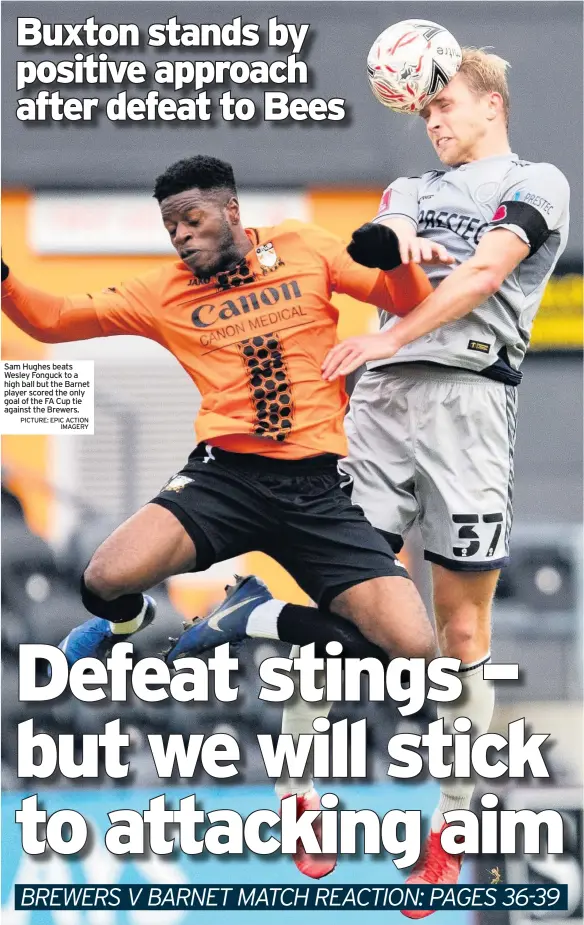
247, 313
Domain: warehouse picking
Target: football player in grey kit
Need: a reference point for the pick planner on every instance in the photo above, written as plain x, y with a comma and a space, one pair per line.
432, 421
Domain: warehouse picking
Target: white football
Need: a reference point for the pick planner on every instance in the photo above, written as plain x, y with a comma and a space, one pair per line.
411, 62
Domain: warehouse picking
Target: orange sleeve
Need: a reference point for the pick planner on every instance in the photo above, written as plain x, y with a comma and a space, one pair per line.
396, 291
124, 309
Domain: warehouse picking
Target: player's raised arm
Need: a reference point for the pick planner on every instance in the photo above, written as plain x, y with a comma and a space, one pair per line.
466, 288
526, 223
55, 319
400, 286
370, 268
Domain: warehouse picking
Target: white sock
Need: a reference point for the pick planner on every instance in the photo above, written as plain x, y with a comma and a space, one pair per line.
130, 626
477, 702
297, 718
263, 621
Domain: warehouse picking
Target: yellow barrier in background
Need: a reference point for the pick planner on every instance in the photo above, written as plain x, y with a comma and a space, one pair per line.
559, 322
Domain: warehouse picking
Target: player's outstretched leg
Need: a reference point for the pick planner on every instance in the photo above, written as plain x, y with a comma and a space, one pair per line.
297, 719
462, 603
249, 611
149, 547
390, 611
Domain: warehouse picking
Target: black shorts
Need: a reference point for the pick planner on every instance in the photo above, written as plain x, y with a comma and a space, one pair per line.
293, 510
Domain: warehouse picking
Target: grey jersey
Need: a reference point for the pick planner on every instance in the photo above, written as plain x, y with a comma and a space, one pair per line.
456, 208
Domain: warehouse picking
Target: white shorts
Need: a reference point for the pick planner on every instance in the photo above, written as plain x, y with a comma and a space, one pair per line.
436, 444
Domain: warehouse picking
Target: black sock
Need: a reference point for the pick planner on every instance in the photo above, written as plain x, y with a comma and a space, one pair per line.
123, 608
302, 625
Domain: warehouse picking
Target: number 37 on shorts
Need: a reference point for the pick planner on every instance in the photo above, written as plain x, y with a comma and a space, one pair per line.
478, 535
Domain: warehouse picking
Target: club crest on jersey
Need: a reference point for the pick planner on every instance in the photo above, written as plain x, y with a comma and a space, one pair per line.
267, 256
500, 215
177, 483
487, 192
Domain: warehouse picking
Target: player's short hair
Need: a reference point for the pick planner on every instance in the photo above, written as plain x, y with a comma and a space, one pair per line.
200, 172
486, 73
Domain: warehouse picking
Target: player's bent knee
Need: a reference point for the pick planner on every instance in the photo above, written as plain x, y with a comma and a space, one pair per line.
101, 579
458, 632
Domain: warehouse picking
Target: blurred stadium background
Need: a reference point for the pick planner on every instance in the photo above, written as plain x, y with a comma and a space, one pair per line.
78, 215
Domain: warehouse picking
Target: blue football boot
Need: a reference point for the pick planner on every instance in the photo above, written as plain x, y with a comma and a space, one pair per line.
94, 638
227, 623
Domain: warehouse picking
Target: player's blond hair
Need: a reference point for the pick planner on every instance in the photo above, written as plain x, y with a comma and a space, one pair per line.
486, 73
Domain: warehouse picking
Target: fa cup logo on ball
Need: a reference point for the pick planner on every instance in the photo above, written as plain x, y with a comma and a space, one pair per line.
410, 62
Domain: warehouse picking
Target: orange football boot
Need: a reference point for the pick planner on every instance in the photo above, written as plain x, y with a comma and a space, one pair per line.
312, 865
436, 867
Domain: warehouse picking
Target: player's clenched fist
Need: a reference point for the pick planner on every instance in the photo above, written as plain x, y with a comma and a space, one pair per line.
374, 245
377, 245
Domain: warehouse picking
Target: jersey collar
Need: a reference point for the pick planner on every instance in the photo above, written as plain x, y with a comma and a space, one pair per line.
485, 161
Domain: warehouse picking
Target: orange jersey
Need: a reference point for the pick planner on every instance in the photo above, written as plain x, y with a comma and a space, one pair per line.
252, 339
